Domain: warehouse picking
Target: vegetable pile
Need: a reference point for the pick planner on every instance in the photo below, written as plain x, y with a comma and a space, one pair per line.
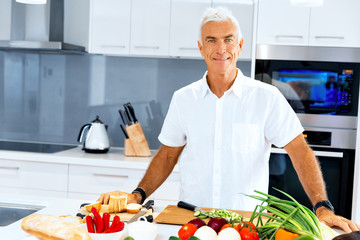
218, 228
97, 224
287, 219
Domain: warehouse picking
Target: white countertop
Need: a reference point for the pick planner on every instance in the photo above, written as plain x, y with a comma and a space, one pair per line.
114, 158
66, 207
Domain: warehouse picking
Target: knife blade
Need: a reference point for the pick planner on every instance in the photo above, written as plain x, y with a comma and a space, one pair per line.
148, 205
191, 207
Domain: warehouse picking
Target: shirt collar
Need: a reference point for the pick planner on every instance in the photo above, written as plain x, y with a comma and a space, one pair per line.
235, 88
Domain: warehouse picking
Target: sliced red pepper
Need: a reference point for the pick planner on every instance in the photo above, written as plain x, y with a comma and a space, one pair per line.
90, 224
99, 225
106, 220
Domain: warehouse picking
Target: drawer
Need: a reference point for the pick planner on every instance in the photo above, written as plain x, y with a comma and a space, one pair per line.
97, 180
33, 175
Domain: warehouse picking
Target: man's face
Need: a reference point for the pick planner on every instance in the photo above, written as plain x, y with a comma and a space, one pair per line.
220, 46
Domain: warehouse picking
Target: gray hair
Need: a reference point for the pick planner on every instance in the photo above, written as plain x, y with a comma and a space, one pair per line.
218, 14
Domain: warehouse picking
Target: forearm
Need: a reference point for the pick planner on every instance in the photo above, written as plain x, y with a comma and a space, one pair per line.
159, 169
308, 170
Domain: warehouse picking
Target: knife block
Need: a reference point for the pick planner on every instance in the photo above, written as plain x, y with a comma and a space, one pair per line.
136, 145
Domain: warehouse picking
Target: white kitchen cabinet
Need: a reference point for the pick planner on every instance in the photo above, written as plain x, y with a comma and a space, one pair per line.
42, 178
185, 23
90, 182
336, 23
243, 11
102, 26
279, 23
333, 24
150, 32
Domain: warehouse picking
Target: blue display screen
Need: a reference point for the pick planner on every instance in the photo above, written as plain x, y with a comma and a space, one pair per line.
316, 88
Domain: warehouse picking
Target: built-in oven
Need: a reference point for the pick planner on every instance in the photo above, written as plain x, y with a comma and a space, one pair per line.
322, 86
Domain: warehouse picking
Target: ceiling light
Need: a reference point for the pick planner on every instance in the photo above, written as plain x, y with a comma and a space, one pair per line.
307, 3
32, 1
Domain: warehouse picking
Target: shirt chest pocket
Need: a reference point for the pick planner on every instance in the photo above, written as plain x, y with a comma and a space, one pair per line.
245, 137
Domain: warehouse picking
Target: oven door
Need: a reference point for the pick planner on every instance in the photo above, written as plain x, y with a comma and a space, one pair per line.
338, 171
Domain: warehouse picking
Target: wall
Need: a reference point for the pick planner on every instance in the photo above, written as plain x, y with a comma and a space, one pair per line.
48, 97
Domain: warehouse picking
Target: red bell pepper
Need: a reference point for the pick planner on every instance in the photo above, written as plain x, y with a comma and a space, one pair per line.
99, 225
90, 224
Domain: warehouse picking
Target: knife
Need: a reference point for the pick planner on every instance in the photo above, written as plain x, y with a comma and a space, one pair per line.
148, 205
128, 114
188, 206
132, 112
124, 117
124, 131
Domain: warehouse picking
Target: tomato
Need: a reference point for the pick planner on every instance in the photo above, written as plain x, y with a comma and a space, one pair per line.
248, 225
248, 234
227, 225
187, 231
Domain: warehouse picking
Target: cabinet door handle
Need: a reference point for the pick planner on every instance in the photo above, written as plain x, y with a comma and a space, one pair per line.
330, 37
110, 175
289, 36
10, 168
113, 46
152, 47
188, 48
317, 153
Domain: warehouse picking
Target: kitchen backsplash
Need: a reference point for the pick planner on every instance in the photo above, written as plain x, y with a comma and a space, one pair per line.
48, 97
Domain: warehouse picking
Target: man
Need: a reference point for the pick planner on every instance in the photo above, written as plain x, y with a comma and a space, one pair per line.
223, 126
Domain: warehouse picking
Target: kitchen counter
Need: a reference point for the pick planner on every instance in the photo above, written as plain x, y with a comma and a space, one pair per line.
56, 206
68, 207
76, 156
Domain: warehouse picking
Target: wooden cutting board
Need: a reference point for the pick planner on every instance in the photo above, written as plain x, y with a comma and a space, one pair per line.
174, 215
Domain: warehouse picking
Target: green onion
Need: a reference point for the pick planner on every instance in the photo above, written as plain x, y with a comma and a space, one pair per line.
287, 214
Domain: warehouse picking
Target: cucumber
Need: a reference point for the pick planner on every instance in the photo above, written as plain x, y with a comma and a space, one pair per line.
174, 238
201, 216
193, 238
197, 213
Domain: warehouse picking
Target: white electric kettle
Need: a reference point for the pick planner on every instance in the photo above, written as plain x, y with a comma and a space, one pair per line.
96, 137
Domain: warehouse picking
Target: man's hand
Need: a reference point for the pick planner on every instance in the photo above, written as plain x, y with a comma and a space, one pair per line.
328, 217
131, 198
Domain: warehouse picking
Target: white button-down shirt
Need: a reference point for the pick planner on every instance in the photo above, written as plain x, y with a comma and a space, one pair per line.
227, 140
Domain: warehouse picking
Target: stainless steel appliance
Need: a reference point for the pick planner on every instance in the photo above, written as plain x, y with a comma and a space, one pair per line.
322, 86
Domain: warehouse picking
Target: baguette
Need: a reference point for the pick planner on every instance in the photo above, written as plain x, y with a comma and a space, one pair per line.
49, 227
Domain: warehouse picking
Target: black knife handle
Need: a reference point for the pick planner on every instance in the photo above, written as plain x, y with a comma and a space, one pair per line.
188, 206
148, 204
132, 112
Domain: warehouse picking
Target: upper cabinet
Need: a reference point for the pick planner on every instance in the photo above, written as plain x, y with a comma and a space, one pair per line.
333, 24
150, 26
280, 23
336, 24
102, 26
185, 23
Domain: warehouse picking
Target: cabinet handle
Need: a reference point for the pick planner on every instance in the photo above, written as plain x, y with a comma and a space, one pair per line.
152, 47
113, 46
10, 168
110, 175
188, 48
289, 36
317, 153
330, 37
